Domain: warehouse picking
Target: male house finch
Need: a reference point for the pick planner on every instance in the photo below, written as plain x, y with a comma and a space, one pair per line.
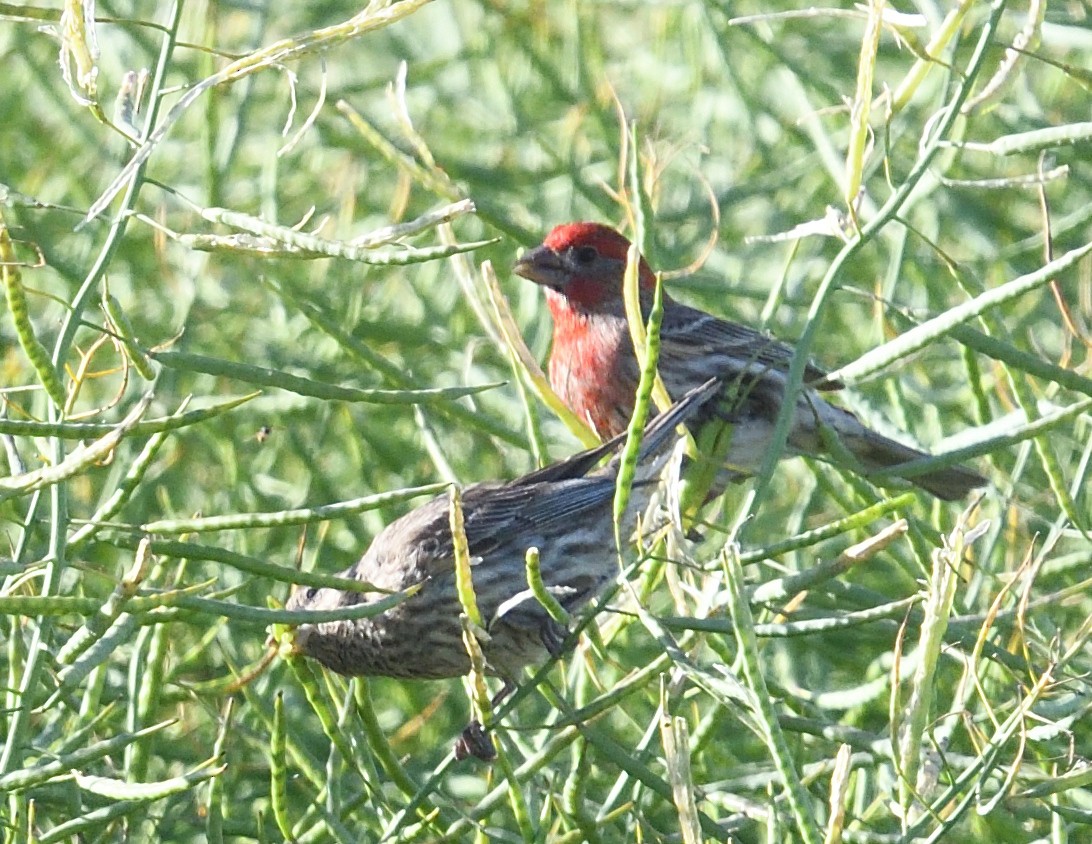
564, 510
594, 370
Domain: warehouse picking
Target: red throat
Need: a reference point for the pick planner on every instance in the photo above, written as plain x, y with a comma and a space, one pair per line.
590, 366
584, 294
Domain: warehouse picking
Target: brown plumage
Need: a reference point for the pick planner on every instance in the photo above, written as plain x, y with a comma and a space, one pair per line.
564, 510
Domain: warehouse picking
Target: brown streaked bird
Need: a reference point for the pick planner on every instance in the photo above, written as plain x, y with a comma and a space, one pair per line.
564, 510
594, 370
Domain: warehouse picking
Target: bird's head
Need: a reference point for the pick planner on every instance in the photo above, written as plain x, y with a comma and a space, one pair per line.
584, 264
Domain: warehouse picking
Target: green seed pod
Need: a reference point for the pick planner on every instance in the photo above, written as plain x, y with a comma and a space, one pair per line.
124, 329
36, 353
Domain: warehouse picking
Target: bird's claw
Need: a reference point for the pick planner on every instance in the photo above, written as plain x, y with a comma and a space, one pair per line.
474, 741
553, 637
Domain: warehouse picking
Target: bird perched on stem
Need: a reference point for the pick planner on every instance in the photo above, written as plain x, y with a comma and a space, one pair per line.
564, 510
594, 370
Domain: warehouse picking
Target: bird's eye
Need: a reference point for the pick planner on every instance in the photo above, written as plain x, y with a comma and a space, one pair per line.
585, 254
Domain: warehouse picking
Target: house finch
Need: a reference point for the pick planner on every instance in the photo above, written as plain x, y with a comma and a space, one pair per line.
564, 510
594, 370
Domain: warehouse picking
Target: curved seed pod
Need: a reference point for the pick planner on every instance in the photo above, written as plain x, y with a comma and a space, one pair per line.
36, 353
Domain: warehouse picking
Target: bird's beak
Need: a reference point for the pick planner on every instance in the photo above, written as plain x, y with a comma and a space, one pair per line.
541, 265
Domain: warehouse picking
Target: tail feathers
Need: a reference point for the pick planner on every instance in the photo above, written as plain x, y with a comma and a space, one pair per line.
658, 436
876, 451
661, 433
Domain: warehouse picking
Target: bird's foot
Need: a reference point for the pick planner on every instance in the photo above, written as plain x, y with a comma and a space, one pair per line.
553, 635
474, 741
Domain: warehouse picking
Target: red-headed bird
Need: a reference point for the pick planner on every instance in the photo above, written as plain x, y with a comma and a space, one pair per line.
594, 370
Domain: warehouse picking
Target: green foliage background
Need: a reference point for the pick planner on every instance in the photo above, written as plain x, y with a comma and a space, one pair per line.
964, 722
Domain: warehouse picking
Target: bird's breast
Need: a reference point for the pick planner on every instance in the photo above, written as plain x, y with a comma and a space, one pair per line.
594, 371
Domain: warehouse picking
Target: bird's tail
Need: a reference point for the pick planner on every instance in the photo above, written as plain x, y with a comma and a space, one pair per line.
660, 435
877, 452
655, 443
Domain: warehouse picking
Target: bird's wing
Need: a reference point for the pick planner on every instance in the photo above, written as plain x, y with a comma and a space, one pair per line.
542, 509
494, 515
688, 335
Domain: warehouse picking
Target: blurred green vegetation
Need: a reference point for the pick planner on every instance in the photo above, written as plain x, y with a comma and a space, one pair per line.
743, 127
